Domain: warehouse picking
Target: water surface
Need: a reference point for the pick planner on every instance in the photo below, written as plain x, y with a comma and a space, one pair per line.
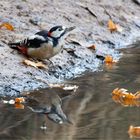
92, 110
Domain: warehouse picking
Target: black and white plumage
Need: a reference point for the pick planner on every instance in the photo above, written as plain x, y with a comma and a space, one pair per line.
48, 103
44, 44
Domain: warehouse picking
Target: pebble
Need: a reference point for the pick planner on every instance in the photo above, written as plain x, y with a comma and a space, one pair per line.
19, 7
35, 21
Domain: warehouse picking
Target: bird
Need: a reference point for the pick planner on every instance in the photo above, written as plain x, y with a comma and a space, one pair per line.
43, 44
48, 103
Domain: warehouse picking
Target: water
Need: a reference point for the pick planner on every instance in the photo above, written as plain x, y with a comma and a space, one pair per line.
92, 110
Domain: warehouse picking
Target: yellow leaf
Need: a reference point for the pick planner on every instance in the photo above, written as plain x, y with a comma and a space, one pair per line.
126, 98
108, 59
34, 64
112, 26
134, 132
19, 100
8, 26
19, 106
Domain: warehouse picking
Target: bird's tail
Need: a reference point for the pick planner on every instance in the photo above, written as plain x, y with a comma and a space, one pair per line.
14, 45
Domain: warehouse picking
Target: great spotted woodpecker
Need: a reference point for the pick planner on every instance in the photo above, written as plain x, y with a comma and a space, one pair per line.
44, 44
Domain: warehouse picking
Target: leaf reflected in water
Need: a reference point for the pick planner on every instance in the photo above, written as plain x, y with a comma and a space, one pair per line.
134, 132
126, 98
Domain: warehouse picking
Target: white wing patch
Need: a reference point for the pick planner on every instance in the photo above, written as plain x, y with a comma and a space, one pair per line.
37, 37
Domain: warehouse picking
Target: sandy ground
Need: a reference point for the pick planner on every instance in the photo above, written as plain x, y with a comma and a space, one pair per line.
30, 16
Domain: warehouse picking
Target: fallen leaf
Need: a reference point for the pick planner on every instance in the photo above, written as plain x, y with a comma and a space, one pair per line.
8, 26
19, 106
35, 64
92, 47
112, 26
126, 98
109, 62
134, 132
109, 59
20, 100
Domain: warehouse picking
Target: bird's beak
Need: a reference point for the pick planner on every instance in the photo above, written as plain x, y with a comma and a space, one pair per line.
70, 29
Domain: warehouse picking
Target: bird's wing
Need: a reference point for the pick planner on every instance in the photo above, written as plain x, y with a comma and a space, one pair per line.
43, 33
33, 41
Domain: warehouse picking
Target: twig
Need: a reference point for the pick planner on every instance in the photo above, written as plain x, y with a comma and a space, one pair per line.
106, 12
86, 8
91, 12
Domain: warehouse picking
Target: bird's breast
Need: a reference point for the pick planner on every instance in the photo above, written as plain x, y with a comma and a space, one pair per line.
45, 51
57, 49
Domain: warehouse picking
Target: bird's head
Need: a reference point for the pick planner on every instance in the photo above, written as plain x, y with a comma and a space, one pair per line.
59, 31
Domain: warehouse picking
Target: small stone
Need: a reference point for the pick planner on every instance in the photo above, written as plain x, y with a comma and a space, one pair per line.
19, 7
35, 21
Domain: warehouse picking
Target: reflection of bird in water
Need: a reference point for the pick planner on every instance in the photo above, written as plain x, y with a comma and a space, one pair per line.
48, 102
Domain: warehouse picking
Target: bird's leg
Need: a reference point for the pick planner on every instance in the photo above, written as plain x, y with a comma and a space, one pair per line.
44, 125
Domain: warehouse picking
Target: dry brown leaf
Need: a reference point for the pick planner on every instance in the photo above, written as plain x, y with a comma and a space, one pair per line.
34, 64
109, 62
134, 132
126, 98
8, 26
92, 47
19, 106
19, 100
112, 26
109, 59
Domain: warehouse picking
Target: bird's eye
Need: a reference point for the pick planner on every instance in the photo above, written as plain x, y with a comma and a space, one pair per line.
59, 29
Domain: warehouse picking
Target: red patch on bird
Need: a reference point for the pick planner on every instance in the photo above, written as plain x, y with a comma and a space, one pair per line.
49, 33
22, 49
